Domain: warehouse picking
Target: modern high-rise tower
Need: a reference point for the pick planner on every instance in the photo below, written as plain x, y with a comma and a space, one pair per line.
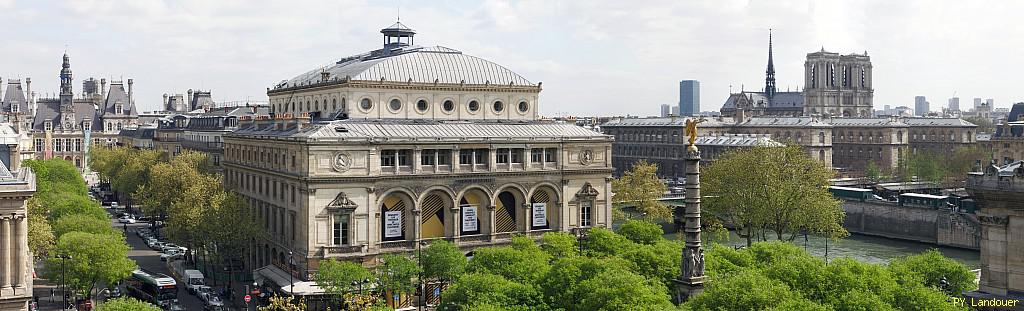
689, 97
954, 104
920, 106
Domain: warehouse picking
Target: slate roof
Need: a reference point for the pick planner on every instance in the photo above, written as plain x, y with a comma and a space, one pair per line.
116, 94
427, 130
954, 122
14, 95
865, 122
736, 141
1016, 113
49, 110
418, 64
784, 122
782, 99
649, 122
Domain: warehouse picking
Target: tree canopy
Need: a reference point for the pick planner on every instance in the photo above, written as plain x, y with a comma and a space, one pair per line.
640, 188
778, 189
126, 304
94, 259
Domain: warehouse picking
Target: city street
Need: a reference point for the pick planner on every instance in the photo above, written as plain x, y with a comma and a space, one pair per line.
150, 260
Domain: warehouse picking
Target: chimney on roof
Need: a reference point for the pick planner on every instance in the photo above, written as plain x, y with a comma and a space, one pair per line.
28, 89
302, 121
131, 99
739, 116
188, 102
103, 87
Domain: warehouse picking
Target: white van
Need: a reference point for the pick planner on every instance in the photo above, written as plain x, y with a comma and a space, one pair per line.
192, 280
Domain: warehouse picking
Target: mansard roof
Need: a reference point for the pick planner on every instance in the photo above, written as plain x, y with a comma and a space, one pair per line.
15, 95
423, 130
117, 95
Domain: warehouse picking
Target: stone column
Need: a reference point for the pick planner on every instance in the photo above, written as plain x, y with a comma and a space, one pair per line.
417, 223
5, 252
20, 250
691, 278
456, 222
490, 221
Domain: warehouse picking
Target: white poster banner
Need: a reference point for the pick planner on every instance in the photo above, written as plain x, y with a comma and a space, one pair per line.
469, 222
540, 214
392, 224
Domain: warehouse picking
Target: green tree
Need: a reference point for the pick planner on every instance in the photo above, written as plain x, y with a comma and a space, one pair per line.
559, 244
787, 193
965, 160
985, 125
70, 204
510, 263
126, 304
336, 276
872, 172
57, 176
95, 259
641, 231
83, 223
283, 303
40, 234
397, 274
929, 268
442, 261
926, 166
617, 289
493, 291
641, 189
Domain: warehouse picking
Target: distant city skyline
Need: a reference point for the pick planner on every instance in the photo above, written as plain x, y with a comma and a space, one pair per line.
582, 52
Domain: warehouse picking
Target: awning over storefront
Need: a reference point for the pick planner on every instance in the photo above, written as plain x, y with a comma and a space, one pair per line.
274, 276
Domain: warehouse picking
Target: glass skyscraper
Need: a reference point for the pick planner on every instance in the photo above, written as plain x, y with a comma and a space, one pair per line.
689, 97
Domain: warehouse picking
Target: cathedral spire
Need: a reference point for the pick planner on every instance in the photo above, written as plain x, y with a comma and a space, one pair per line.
769, 81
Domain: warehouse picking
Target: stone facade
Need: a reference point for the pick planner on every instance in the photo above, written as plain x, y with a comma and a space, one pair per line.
838, 85
17, 184
404, 145
661, 140
859, 141
65, 126
1000, 196
1007, 144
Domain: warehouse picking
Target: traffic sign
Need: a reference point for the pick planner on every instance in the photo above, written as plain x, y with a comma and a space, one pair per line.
248, 298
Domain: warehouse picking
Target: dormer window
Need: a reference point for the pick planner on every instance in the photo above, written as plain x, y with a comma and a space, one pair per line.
48, 126
14, 108
119, 109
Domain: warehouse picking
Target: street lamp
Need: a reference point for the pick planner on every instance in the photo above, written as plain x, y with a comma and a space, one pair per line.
63, 278
581, 236
291, 273
419, 261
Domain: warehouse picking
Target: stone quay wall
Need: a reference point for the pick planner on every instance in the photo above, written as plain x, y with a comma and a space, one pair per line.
941, 227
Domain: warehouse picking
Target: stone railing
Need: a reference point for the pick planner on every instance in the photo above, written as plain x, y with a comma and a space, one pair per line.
343, 249
391, 245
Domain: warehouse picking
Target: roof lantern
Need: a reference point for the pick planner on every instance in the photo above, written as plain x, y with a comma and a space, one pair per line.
397, 35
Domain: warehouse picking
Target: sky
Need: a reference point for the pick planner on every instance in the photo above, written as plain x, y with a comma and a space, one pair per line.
595, 57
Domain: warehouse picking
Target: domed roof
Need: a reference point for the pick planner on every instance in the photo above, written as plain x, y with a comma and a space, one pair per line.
413, 63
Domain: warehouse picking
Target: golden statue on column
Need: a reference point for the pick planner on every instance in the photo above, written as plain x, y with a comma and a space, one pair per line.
691, 131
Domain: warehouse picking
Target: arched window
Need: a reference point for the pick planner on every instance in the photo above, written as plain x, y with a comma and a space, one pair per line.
821, 137
821, 155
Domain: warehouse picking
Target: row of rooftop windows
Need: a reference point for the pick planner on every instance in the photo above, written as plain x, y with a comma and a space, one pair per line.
390, 158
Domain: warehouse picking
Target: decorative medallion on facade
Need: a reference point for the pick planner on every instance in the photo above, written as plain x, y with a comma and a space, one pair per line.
586, 157
342, 161
341, 204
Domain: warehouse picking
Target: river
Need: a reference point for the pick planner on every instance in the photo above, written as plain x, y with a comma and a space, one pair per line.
868, 248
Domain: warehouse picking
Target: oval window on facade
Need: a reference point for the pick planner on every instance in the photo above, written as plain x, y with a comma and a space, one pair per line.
523, 106
395, 104
421, 105
448, 106
474, 106
499, 106
366, 104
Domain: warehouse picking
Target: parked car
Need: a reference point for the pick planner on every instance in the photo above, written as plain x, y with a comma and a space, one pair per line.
213, 303
193, 279
157, 245
170, 246
127, 219
202, 291
171, 254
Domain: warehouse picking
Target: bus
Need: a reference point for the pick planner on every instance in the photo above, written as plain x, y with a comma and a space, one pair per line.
155, 288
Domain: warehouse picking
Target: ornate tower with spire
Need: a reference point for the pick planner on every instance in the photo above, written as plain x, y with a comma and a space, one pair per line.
769, 79
66, 93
